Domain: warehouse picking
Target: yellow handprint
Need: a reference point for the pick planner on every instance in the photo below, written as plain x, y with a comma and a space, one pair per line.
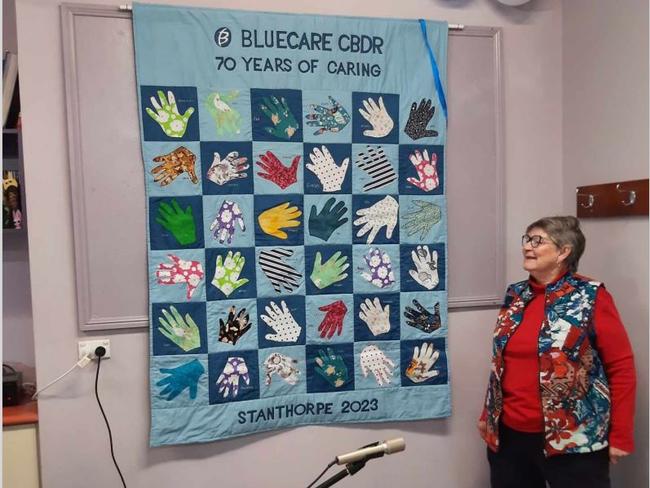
275, 218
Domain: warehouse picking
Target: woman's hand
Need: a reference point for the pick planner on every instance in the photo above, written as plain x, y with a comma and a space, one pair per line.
481, 425
616, 454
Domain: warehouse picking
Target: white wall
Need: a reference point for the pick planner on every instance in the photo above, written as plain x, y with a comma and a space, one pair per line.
9, 39
445, 453
606, 140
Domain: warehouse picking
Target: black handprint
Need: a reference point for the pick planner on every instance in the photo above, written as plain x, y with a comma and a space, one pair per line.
421, 318
236, 325
420, 116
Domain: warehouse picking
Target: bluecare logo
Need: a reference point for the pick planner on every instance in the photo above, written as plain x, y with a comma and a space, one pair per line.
222, 36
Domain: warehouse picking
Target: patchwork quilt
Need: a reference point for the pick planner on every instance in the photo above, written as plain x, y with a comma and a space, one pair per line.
297, 219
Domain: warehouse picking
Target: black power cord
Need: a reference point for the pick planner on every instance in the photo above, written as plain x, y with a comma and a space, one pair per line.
321, 475
100, 352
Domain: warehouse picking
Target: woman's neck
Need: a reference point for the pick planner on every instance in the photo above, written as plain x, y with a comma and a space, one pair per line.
548, 277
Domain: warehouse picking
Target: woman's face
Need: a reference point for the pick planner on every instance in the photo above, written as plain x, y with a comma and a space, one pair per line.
545, 258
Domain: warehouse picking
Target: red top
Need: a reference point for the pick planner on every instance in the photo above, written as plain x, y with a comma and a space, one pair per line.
522, 405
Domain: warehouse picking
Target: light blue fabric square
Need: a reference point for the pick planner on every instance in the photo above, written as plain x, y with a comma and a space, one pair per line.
315, 317
176, 292
277, 385
241, 238
182, 184
343, 234
321, 99
237, 99
285, 152
361, 285
391, 350
427, 299
220, 310
416, 224
360, 178
296, 260
183, 399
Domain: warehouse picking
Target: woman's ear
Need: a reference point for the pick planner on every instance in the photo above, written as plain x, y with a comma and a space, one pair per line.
565, 251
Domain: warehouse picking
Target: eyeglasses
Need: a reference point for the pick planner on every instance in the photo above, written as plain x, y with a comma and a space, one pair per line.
535, 240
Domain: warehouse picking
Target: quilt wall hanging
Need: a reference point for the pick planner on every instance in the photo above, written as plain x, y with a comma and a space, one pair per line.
297, 219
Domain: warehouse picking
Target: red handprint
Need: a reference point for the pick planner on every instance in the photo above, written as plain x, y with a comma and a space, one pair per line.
179, 272
427, 179
277, 172
333, 320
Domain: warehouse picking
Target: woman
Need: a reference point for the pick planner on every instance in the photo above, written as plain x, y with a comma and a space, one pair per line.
560, 400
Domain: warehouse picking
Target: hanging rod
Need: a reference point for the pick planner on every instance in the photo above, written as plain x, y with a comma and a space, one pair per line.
452, 27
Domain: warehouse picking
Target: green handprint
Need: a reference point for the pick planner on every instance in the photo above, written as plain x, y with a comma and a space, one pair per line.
226, 273
226, 118
167, 115
181, 331
284, 123
180, 223
326, 274
332, 367
423, 219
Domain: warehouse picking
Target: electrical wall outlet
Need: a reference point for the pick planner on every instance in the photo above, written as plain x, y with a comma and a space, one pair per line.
88, 347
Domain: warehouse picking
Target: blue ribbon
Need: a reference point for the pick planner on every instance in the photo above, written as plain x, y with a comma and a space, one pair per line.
434, 68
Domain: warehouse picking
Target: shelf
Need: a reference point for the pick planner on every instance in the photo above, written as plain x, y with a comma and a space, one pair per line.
11, 164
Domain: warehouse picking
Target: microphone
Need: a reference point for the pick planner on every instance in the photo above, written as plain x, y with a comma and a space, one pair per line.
378, 449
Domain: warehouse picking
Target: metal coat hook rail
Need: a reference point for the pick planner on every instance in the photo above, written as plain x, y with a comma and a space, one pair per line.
625, 198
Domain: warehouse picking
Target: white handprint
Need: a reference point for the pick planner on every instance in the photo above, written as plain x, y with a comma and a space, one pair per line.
373, 218
325, 168
426, 267
419, 369
285, 327
374, 360
378, 117
222, 171
283, 366
376, 317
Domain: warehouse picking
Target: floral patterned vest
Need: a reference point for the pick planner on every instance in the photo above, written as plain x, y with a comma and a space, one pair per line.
572, 381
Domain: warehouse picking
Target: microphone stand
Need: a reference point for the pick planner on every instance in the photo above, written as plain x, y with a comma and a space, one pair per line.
350, 469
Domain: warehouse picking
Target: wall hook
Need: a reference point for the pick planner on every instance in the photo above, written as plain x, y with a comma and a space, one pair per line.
631, 196
591, 199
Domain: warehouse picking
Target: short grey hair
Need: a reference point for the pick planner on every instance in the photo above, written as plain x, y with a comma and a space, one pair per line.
565, 231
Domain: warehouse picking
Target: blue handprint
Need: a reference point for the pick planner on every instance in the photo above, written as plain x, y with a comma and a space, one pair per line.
184, 376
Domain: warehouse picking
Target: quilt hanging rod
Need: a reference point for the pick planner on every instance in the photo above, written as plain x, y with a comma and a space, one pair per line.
452, 27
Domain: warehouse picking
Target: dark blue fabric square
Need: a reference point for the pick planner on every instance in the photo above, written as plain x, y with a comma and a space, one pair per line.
366, 201
248, 271
261, 122
163, 346
163, 238
216, 364
360, 124
315, 382
295, 235
339, 152
343, 286
185, 96
361, 330
296, 305
406, 264
210, 151
407, 170
407, 349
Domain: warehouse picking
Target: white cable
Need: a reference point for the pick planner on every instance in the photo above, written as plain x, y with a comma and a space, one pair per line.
80, 364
